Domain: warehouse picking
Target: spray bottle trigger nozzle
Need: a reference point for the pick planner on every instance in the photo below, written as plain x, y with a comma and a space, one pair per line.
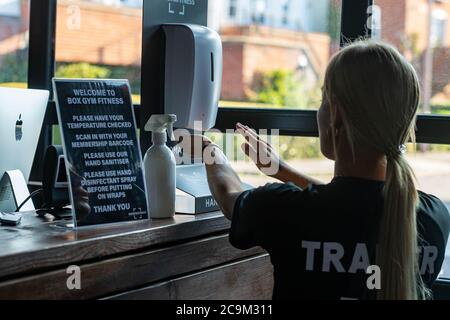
172, 120
161, 123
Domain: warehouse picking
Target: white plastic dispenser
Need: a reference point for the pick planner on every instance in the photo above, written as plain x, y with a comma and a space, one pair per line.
193, 74
193, 84
160, 168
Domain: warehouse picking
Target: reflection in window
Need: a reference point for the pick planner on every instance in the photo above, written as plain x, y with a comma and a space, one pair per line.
14, 27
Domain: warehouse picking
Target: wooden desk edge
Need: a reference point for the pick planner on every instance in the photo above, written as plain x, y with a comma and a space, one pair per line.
37, 246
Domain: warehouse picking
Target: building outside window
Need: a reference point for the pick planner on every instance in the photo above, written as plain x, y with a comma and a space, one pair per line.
100, 39
10, 8
14, 26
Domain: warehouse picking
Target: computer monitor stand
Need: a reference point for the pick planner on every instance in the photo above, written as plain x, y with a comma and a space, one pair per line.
13, 192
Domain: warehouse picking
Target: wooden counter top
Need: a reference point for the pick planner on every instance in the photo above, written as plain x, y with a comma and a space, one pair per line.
187, 257
40, 244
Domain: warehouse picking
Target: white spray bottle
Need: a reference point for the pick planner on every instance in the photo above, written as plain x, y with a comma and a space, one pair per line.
160, 168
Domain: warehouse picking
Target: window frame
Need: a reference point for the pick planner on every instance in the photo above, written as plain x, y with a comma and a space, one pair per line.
41, 68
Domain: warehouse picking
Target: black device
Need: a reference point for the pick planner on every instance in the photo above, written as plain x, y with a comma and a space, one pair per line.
55, 183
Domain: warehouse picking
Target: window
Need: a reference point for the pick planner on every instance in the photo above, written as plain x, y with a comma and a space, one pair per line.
232, 11
420, 31
259, 11
439, 21
100, 39
285, 14
14, 27
276, 57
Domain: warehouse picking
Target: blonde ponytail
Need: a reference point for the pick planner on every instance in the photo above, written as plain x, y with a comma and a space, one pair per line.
378, 94
398, 252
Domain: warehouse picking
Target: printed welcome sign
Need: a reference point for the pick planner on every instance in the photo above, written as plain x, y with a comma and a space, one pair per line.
102, 153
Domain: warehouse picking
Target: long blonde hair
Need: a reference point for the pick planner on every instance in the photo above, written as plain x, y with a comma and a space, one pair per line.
378, 94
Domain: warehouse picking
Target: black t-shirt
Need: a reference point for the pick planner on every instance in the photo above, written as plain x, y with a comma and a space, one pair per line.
321, 240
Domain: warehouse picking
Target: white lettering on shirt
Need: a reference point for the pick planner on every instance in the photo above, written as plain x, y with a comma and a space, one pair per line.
430, 254
360, 259
333, 252
310, 247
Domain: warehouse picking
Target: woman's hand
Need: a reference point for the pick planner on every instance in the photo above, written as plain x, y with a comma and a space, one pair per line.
268, 161
223, 181
193, 145
261, 152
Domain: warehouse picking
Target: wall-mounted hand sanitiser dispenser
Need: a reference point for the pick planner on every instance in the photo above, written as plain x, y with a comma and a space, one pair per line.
193, 74
193, 84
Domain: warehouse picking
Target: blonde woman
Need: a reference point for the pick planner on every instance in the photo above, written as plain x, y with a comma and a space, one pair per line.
369, 234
